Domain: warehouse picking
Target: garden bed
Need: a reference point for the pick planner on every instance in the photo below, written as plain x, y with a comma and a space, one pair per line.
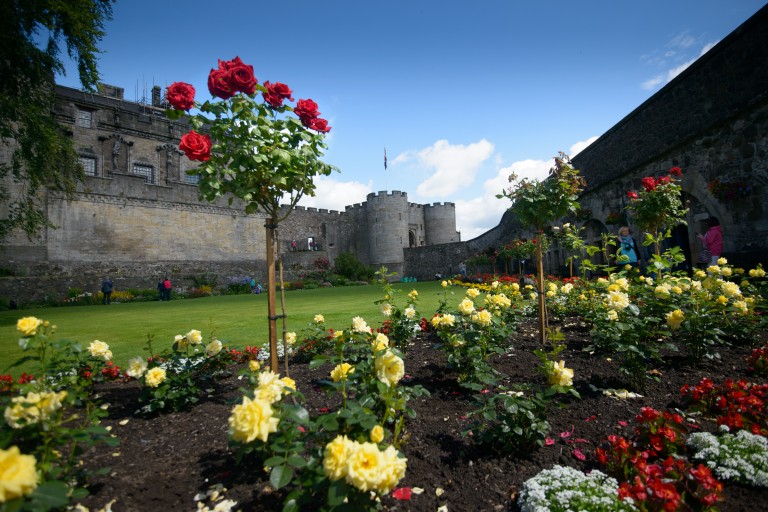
164, 461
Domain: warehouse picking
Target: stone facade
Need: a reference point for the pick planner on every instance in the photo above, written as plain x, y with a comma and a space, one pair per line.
137, 216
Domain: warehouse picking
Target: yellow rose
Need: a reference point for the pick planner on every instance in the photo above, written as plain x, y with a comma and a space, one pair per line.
253, 419
100, 349
381, 342
393, 470
289, 385
757, 272
213, 348
364, 467
386, 309
389, 368
18, 475
613, 315
561, 376
377, 434
136, 367
28, 325
155, 377
413, 295
617, 300
444, 284
472, 293
336, 456
290, 338
319, 319
722, 300
713, 269
726, 271
674, 319
194, 337
270, 389
730, 289
409, 312
181, 342
494, 284
254, 366
466, 307
482, 318
722, 261
338, 334
741, 306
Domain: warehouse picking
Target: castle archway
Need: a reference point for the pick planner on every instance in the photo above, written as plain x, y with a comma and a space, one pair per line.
411, 239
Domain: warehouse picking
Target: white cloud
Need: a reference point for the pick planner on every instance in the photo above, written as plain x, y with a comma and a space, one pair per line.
670, 74
332, 194
454, 165
579, 146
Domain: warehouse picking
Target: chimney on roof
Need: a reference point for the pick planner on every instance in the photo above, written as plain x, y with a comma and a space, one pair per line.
156, 96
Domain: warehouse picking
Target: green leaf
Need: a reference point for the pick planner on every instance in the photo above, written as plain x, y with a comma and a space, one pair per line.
337, 492
51, 494
280, 476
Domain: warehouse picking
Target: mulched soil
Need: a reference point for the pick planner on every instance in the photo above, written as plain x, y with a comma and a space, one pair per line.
164, 461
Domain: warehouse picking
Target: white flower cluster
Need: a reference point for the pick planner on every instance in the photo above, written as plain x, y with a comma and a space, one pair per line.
742, 457
563, 488
264, 355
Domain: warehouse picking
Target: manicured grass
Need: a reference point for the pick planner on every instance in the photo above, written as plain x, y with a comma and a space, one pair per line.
237, 320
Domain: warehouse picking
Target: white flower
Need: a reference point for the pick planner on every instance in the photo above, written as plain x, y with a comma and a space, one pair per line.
213, 348
409, 312
386, 309
136, 367
359, 325
100, 349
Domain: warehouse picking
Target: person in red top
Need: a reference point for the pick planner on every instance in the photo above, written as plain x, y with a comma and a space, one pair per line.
713, 239
167, 289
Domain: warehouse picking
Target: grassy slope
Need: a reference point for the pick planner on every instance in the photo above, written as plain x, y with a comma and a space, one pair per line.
237, 320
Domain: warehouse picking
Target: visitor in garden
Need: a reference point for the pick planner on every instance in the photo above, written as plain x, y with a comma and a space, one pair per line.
713, 239
160, 290
627, 247
166, 289
106, 289
463, 269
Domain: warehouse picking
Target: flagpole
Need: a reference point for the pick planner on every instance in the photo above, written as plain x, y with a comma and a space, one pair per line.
386, 187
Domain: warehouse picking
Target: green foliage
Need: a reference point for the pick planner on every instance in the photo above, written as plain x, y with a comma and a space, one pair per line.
348, 266
54, 417
540, 203
508, 420
42, 155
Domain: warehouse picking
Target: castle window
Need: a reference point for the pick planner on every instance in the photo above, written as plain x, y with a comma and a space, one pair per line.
84, 118
89, 165
145, 170
194, 179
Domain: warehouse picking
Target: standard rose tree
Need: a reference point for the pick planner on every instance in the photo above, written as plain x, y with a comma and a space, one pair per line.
250, 146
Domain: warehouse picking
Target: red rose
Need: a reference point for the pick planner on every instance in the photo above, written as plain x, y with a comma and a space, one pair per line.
649, 183
306, 110
218, 84
319, 124
196, 146
180, 95
632, 195
676, 171
240, 75
663, 180
276, 93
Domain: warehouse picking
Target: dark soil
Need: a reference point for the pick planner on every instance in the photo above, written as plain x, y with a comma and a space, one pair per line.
163, 462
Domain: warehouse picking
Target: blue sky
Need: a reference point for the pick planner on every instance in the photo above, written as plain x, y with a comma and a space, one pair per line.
460, 93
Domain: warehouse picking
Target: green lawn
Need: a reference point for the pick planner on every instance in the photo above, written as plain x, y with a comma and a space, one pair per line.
237, 320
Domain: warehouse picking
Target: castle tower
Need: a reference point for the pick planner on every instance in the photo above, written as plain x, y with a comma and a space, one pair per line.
440, 223
387, 216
